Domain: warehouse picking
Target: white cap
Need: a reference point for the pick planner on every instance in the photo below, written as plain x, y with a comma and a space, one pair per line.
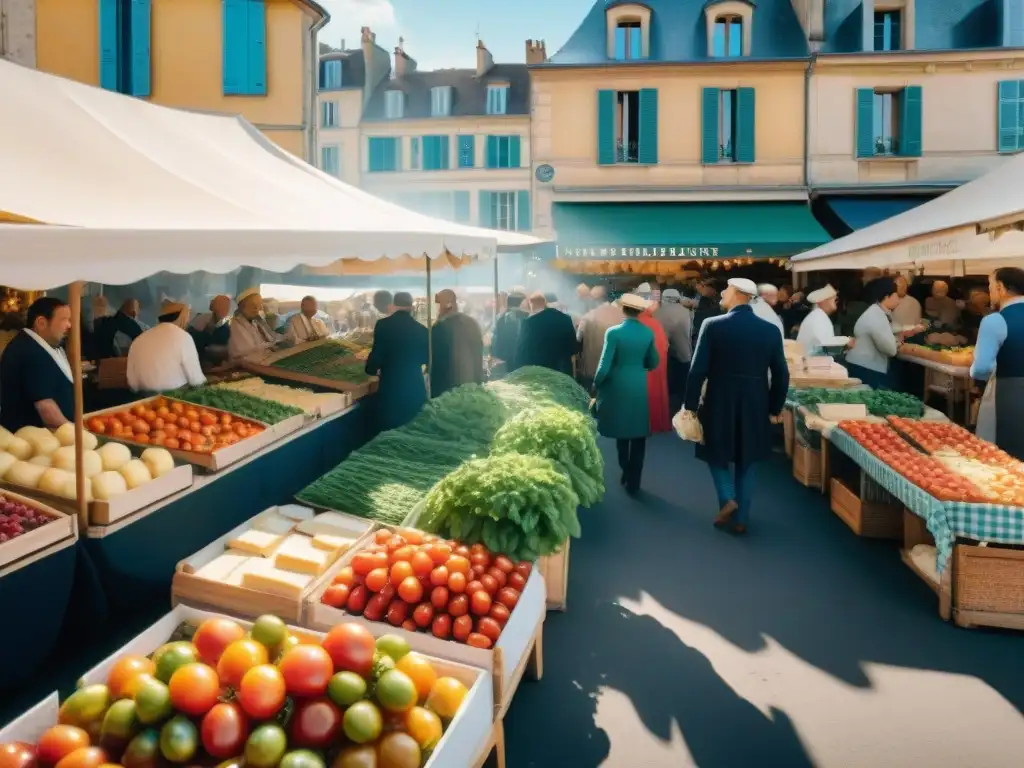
743, 285
822, 294
670, 294
643, 288
634, 301
246, 294
767, 288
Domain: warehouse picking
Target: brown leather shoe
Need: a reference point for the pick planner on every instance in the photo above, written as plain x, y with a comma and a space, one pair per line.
724, 519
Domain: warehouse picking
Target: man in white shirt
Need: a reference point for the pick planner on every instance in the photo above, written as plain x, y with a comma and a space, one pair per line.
764, 305
250, 333
305, 325
591, 331
816, 331
165, 357
908, 312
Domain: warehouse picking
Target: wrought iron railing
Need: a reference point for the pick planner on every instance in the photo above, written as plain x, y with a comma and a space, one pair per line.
627, 153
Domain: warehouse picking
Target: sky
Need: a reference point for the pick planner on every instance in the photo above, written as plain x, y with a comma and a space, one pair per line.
440, 34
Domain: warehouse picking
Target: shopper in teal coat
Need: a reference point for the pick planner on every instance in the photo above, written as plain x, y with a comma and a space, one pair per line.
621, 384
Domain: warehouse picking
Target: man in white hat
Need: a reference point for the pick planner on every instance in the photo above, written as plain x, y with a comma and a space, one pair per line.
730, 392
817, 333
764, 305
165, 357
678, 323
250, 332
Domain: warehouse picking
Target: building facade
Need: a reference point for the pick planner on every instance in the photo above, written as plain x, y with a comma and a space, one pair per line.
674, 131
256, 58
908, 99
452, 143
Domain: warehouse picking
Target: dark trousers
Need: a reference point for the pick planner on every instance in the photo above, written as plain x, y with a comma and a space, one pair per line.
631, 460
677, 373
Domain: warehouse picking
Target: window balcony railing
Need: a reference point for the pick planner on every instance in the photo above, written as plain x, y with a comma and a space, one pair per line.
886, 145
627, 153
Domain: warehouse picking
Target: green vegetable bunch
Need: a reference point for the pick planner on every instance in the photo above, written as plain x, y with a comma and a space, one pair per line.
329, 360
523, 506
550, 385
564, 436
470, 413
879, 402
238, 403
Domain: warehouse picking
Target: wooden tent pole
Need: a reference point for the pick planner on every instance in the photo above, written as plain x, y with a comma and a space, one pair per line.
430, 330
75, 358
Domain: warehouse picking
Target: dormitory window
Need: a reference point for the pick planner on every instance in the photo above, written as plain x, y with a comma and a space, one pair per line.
627, 127
727, 40
727, 125
628, 41
887, 129
503, 211
329, 114
394, 103
887, 31
330, 75
330, 160
497, 99
441, 101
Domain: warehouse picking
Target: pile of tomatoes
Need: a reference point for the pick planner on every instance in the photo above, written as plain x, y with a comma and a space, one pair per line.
175, 425
937, 437
421, 582
258, 699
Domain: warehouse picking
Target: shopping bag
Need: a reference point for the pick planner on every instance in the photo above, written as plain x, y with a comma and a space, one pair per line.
688, 427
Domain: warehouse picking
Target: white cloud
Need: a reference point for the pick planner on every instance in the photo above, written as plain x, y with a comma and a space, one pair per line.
348, 17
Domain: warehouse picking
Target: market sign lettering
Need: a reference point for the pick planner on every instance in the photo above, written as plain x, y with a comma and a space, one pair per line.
934, 249
639, 252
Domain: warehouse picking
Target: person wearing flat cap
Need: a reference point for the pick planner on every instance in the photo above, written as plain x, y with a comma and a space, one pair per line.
736, 402
621, 382
250, 333
505, 339
458, 347
165, 357
817, 334
547, 338
398, 356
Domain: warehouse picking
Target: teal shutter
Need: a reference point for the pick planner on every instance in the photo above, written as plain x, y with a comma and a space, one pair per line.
235, 61
140, 21
1013, 23
745, 125
443, 159
467, 151
515, 158
1009, 121
256, 48
910, 121
379, 151
865, 122
460, 206
492, 152
108, 44
709, 126
647, 152
524, 218
429, 159
606, 127
485, 208
394, 152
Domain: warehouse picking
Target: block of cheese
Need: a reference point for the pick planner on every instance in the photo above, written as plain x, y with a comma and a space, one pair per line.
333, 544
221, 568
271, 522
295, 512
332, 523
256, 542
297, 553
262, 576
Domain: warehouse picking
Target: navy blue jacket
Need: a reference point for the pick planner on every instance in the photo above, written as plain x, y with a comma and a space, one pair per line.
398, 355
547, 339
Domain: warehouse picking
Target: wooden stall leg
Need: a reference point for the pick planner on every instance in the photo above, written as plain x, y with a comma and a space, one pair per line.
536, 663
946, 590
496, 754
826, 471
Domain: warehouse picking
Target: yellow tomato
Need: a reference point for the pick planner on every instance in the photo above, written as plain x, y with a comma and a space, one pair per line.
424, 726
446, 697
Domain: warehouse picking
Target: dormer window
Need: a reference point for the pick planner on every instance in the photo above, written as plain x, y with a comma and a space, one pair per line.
727, 40
888, 24
441, 101
628, 40
497, 99
394, 104
729, 24
330, 75
629, 31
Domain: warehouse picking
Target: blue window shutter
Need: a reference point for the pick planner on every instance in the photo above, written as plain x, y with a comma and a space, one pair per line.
376, 150
514, 152
460, 205
492, 152
485, 209
322, 74
108, 34
140, 72
1009, 95
467, 151
235, 57
709, 125
428, 148
524, 218
443, 154
910, 121
396, 155
745, 125
257, 48
647, 152
606, 127
865, 122
1013, 23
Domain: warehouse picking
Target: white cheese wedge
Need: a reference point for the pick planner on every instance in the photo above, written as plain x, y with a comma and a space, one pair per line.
221, 568
256, 542
295, 512
333, 524
297, 553
333, 544
262, 576
273, 523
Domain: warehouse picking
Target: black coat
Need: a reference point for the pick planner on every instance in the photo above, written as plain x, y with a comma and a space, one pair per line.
734, 355
505, 339
398, 355
458, 353
548, 339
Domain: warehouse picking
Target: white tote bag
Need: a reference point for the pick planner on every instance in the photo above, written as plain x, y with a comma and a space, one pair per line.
686, 424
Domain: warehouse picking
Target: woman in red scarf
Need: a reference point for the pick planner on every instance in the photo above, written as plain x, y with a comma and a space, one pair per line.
657, 380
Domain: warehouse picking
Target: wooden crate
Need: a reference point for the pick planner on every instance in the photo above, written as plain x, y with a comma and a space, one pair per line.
869, 519
112, 373
806, 465
988, 586
789, 430
62, 527
555, 569
265, 365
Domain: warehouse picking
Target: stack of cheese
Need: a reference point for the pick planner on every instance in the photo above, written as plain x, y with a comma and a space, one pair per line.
307, 400
283, 552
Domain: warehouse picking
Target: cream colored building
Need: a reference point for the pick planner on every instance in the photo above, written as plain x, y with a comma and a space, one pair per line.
18, 31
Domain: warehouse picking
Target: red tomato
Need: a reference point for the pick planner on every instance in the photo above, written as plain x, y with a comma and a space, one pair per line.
478, 570
376, 608
474, 586
480, 558
458, 606
59, 741
508, 597
422, 565
377, 579
489, 628
382, 536
439, 552
524, 568
351, 648
410, 590
476, 640
85, 757
363, 563
503, 564
307, 669
517, 581
498, 575
262, 692
213, 636
237, 659
336, 595
500, 613
194, 689
357, 599
17, 755
480, 603
400, 571
315, 723
439, 598
461, 628
402, 554
423, 615
224, 731
490, 584
458, 564
442, 626
398, 612
457, 582
462, 550
439, 576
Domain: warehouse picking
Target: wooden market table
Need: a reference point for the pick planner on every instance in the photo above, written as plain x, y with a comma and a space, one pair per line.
960, 376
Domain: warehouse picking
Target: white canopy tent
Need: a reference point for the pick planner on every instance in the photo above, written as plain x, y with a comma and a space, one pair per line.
970, 230
110, 189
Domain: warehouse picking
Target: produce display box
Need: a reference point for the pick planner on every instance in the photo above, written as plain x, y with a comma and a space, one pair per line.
520, 644
807, 381
62, 527
264, 365
555, 570
188, 588
212, 462
466, 741
868, 519
288, 426
988, 585
789, 430
807, 466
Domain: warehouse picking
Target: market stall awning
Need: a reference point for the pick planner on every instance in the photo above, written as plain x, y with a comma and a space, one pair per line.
973, 223
122, 189
861, 212
698, 231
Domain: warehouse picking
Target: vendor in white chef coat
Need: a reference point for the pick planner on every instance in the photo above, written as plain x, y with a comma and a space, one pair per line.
165, 357
816, 331
306, 325
249, 330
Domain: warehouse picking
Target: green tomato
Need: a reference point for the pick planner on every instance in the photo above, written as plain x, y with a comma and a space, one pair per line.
179, 739
269, 631
266, 746
392, 645
120, 721
86, 705
302, 758
143, 751
346, 688
396, 691
152, 702
172, 656
362, 723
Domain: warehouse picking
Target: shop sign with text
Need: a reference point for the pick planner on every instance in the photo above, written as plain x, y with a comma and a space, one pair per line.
638, 252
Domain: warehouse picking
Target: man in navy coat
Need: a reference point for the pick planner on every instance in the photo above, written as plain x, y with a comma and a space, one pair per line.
398, 356
735, 352
546, 338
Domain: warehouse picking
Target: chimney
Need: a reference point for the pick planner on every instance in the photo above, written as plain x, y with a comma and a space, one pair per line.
343, 43
536, 52
484, 60
366, 36
404, 64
